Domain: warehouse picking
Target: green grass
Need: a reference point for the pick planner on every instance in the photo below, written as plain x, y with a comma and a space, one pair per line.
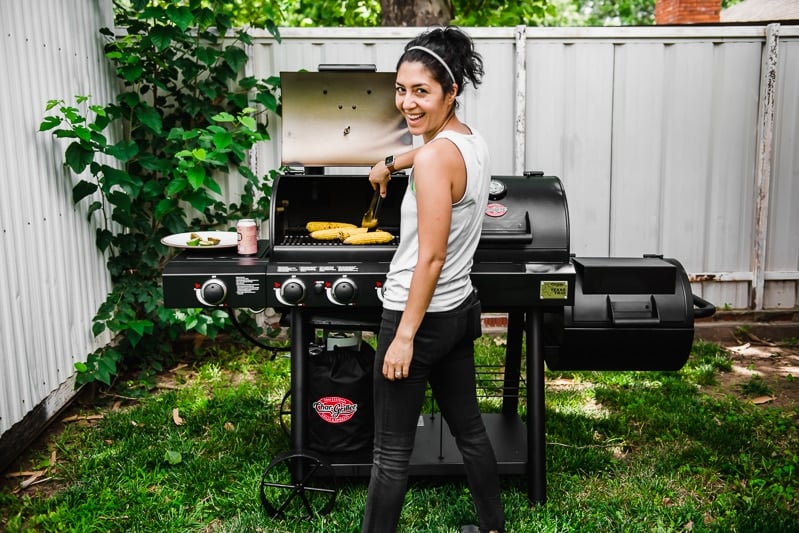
626, 451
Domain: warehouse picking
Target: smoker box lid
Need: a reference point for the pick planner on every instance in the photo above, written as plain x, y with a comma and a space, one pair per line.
626, 275
340, 118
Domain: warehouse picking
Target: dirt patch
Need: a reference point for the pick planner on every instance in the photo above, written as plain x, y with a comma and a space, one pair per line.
764, 372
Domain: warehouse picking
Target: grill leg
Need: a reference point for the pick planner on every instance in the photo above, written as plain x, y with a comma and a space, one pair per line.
513, 362
301, 333
536, 438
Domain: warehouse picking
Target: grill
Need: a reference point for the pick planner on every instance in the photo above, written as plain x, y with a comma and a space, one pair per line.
566, 307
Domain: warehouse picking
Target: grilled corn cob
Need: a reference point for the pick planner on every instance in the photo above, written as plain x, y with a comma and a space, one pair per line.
345, 233
372, 237
328, 234
321, 225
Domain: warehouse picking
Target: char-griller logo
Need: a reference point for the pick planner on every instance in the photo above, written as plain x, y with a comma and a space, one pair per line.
335, 409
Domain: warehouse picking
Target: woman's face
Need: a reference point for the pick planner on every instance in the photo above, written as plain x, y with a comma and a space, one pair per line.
420, 98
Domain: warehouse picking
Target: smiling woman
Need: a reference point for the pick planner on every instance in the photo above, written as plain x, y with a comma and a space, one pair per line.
431, 312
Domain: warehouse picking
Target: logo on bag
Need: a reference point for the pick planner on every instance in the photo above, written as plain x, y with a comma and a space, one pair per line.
335, 409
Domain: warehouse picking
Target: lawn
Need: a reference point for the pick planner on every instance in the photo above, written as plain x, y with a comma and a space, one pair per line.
626, 451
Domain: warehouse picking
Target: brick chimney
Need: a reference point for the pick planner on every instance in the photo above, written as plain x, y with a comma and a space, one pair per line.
687, 11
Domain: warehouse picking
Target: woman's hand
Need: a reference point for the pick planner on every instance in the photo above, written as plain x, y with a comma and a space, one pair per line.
379, 177
397, 362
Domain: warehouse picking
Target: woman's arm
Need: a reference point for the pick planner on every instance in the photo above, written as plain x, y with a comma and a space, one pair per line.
379, 175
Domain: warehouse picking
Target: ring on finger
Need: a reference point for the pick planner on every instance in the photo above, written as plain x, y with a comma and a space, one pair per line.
398, 373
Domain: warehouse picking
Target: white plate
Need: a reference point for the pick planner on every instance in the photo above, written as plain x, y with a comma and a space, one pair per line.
227, 239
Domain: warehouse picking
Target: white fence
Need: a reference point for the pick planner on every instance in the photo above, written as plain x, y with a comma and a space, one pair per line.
654, 132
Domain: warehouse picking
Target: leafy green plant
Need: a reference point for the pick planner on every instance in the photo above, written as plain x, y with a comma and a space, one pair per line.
185, 116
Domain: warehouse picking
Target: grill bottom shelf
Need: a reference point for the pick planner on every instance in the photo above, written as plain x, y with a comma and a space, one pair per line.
435, 453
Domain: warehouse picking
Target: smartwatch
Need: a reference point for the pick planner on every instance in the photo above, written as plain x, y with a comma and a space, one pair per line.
390, 164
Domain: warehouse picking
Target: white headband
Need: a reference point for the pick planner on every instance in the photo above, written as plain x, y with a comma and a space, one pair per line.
437, 57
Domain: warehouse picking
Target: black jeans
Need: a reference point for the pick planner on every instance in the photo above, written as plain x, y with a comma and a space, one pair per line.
443, 354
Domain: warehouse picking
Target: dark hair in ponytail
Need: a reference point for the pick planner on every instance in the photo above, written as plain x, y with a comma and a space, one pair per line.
455, 48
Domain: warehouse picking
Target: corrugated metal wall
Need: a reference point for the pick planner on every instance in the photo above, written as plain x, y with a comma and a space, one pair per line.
653, 131
51, 277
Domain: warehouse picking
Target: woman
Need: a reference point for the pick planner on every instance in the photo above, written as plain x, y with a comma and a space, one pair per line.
431, 314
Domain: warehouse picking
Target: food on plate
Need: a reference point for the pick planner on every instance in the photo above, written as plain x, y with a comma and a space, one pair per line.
196, 239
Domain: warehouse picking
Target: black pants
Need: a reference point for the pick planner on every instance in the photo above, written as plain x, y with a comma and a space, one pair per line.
443, 354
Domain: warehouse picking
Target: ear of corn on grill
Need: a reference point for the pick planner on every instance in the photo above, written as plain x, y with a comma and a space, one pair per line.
347, 233
328, 234
322, 225
372, 237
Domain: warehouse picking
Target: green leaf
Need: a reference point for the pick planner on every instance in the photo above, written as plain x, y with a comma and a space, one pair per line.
223, 117
172, 457
97, 328
103, 238
123, 150
161, 38
267, 99
49, 123
81, 367
115, 177
196, 177
149, 117
78, 157
181, 16
199, 154
176, 185
82, 189
235, 58
222, 140
141, 326
163, 207
249, 123
212, 185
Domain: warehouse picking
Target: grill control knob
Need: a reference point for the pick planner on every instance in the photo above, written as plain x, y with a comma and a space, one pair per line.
292, 291
212, 292
343, 291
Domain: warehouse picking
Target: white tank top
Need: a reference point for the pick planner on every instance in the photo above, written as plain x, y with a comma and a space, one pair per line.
454, 284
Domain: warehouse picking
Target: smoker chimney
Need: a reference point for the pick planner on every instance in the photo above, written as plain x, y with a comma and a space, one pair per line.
687, 11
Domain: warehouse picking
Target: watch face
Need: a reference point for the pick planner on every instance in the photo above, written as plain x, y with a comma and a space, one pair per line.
389, 160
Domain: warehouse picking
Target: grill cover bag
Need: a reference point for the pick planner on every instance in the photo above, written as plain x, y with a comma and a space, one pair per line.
341, 410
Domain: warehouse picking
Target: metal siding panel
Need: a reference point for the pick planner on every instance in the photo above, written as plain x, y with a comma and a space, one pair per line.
52, 50
782, 252
586, 143
687, 140
638, 121
730, 209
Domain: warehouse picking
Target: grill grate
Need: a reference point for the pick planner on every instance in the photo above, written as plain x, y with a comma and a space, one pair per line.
290, 239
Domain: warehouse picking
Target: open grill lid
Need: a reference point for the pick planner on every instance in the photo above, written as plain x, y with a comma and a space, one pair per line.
341, 116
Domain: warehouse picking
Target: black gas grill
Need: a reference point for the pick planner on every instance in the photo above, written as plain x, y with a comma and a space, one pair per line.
568, 308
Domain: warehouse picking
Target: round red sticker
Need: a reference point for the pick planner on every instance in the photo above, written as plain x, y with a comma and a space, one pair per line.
496, 210
335, 409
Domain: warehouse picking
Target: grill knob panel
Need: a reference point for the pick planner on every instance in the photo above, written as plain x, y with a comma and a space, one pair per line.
292, 291
343, 291
212, 292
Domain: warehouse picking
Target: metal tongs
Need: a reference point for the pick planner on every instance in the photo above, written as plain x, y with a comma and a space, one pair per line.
369, 220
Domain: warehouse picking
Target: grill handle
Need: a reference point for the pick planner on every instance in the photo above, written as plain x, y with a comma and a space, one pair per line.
703, 308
